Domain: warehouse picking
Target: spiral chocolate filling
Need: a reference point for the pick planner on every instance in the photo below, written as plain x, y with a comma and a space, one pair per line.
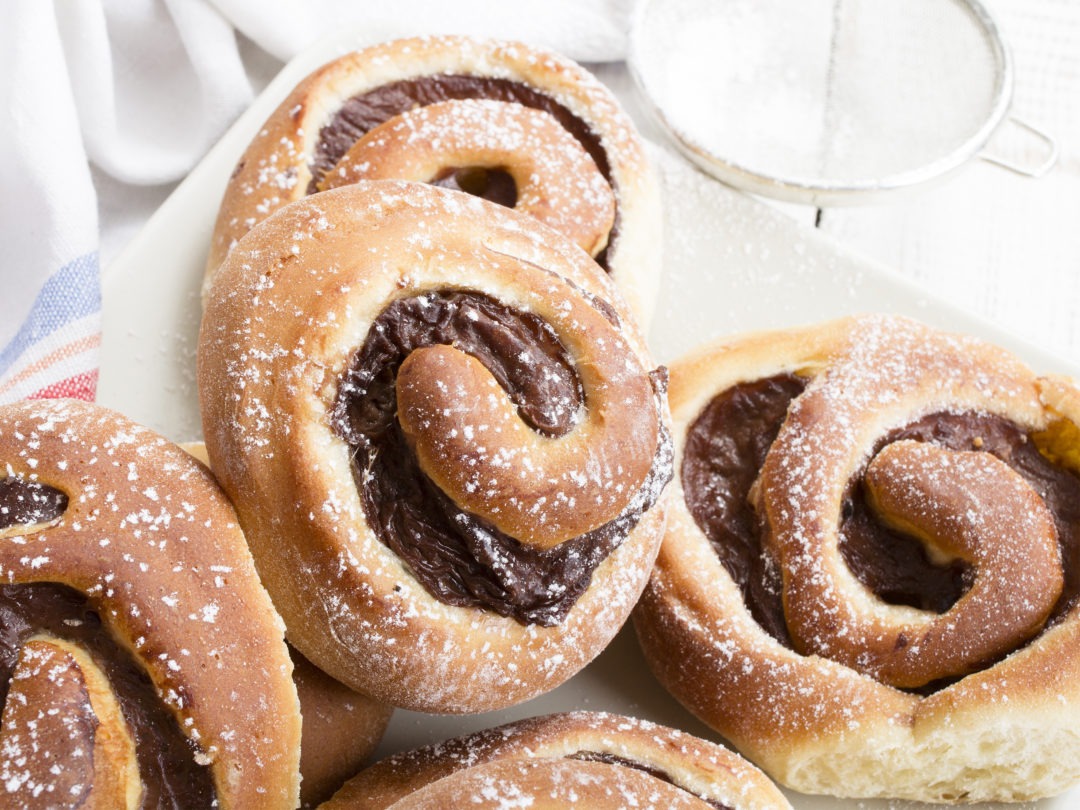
29, 503
726, 448
458, 557
494, 185
657, 773
362, 113
171, 777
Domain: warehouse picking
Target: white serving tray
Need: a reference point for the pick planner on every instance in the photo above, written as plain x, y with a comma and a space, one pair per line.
731, 264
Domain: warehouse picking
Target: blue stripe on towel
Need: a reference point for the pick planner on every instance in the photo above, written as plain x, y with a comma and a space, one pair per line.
71, 293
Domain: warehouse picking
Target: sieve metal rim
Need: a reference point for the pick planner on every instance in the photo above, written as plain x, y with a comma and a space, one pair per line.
821, 193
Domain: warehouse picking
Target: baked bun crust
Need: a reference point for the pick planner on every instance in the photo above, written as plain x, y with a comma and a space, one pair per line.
587, 758
144, 643
295, 151
300, 306
999, 721
341, 728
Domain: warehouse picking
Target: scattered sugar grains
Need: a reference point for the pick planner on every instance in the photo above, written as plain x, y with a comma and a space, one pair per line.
268, 422
136, 527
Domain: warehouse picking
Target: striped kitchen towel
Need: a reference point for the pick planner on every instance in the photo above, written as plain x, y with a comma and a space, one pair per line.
50, 319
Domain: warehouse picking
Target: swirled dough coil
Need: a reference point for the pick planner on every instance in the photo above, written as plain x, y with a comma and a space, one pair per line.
445, 439
513, 123
587, 759
142, 662
871, 578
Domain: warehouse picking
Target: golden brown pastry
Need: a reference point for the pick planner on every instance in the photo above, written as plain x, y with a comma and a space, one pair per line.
586, 759
341, 728
141, 661
445, 440
515, 124
871, 578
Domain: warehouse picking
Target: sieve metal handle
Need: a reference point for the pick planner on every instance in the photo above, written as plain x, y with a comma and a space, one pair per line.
1039, 170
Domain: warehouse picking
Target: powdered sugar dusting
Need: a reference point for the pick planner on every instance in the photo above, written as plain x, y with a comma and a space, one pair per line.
271, 363
556, 180
819, 724
889, 372
575, 759
143, 528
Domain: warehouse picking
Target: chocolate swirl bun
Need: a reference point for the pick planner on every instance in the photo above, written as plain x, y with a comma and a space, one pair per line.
141, 662
582, 759
444, 440
871, 578
514, 124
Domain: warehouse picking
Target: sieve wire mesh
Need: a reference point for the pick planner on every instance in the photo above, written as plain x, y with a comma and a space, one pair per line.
824, 93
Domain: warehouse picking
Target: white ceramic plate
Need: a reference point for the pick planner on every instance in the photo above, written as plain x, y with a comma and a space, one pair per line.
731, 264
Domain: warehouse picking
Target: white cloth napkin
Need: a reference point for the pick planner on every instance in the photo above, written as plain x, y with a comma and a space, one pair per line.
50, 317
110, 102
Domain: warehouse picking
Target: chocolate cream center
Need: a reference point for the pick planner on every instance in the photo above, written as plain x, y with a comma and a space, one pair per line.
362, 113
166, 760
726, 448
171, 777
458, 557
29, 503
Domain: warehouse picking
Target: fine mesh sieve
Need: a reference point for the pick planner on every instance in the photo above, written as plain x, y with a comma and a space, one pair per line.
827, 101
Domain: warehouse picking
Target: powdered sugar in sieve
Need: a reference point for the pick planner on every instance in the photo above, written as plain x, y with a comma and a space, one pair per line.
823, 101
